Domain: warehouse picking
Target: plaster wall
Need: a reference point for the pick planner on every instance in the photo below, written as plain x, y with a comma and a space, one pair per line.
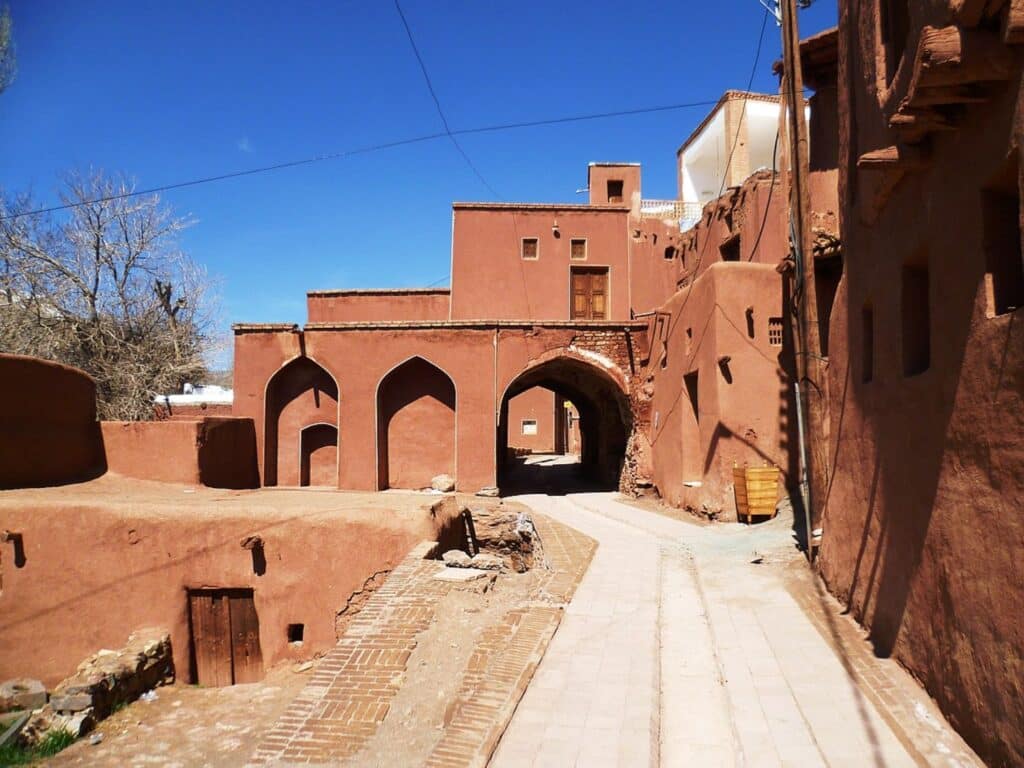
350, 306
94, 573
598, 176
743, 413
922, 525
537, 404
491, 279
217, 452
48, 429
481, 359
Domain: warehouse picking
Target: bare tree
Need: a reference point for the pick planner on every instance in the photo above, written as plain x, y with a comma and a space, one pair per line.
8, 66
105, 288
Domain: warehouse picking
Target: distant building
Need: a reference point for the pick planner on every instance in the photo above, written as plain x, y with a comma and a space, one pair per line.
194, 400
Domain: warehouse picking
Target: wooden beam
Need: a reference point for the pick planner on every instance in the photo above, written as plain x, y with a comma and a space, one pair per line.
897, 156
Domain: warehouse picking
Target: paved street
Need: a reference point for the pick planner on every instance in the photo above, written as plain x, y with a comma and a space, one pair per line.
678, 650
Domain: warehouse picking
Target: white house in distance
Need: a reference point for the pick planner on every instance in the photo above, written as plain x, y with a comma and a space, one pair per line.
748, 120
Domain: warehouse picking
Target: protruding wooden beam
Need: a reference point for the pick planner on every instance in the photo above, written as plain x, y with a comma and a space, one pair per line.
897, 156
955, 56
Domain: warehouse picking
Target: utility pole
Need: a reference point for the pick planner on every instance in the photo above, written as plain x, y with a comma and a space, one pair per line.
810, 365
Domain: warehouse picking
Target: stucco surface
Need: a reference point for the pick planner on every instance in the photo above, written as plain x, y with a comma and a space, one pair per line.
109, 556
48, 429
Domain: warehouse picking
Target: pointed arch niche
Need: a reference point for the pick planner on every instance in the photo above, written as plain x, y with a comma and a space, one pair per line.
415, 425
301, 426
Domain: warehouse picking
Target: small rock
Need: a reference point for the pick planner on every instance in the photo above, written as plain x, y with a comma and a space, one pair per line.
487, 562
22, 693
96, 738
303, 667
490, 492
443, 483
456, 558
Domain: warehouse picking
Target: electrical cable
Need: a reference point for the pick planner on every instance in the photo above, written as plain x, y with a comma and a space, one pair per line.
437, 103
369, 149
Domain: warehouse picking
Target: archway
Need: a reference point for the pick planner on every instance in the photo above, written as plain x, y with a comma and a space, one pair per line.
415, 425
301, 426
604, 424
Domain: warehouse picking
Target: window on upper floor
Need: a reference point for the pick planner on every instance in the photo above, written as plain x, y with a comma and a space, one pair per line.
578, 248
1004, 270
529, 426
614, 190
530, 248
895, 18
730, 249
775, 331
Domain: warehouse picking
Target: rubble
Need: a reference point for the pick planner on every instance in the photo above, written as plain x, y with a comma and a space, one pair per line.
456, 558
104, 681
443, 483
22, 693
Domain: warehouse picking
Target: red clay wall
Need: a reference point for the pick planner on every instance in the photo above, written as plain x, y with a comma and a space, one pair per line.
94, 572
398, 304
490, 279
481, 360
217, 452
923, 529
537, 404
742, 405
48, 429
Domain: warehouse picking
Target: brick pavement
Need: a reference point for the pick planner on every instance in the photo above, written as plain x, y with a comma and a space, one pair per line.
350, 693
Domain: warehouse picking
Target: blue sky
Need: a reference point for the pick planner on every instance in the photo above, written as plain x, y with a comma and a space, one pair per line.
167, 92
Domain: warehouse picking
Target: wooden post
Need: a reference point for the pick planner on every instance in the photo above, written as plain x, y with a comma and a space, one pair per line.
810, 366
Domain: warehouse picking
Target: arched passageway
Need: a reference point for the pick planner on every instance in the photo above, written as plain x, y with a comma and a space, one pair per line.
415, 425
604, 422
301, 426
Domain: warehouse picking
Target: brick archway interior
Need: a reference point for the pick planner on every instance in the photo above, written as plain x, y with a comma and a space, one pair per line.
299, 396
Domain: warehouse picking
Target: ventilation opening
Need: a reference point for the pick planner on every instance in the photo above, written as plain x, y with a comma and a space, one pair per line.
296, 632
670, 253
1004, 270
775, 331
867, 340
895, 29
614, 190
916, 320
730, 249
827, 274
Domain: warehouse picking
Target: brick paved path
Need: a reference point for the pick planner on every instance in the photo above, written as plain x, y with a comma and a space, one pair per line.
677, 650
350, 693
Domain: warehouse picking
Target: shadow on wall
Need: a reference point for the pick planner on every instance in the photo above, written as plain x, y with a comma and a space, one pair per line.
415, 425
48, 429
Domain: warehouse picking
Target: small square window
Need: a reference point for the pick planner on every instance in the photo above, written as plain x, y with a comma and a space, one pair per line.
775, 331
530, 248
578, 249
529, 426
615, 190
296, 632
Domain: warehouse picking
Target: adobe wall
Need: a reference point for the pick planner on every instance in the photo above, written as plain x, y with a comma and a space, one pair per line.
217, 452
480, 359
922, 525
654, 263
397, 304
490, 279
537, 404
48, 429
744, 413
97, 569
171, 412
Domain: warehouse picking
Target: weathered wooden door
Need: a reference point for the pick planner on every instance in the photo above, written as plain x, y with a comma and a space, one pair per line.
589, 293
225, 636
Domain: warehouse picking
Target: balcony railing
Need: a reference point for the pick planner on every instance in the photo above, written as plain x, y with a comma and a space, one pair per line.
687, 214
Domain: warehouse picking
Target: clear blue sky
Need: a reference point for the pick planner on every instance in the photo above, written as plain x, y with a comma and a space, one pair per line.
171, 91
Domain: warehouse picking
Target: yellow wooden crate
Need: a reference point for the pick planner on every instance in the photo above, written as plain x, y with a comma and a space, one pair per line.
757, 491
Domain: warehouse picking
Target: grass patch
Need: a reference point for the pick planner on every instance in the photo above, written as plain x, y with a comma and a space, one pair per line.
52, 743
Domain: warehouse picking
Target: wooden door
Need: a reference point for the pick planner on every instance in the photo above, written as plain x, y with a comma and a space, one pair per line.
589, 293
225, 637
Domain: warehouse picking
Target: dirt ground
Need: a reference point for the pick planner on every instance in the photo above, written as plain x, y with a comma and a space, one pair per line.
189, 726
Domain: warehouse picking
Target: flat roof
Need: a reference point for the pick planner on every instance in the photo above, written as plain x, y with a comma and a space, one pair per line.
380, 292
540, 207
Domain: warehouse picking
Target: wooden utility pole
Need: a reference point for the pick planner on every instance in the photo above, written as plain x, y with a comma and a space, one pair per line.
810, 365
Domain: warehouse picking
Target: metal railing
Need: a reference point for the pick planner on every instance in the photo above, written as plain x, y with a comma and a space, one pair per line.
687, 214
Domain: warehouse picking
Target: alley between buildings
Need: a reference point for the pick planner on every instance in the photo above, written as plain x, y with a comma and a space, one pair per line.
710, 645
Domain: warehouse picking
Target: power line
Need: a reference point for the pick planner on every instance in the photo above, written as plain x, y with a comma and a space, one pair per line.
437, 103
366, 150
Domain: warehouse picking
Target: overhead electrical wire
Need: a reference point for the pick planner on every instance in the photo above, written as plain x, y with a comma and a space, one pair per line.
437, 103
363, 151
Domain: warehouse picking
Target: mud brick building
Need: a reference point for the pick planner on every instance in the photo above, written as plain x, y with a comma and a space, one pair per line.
922, 523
